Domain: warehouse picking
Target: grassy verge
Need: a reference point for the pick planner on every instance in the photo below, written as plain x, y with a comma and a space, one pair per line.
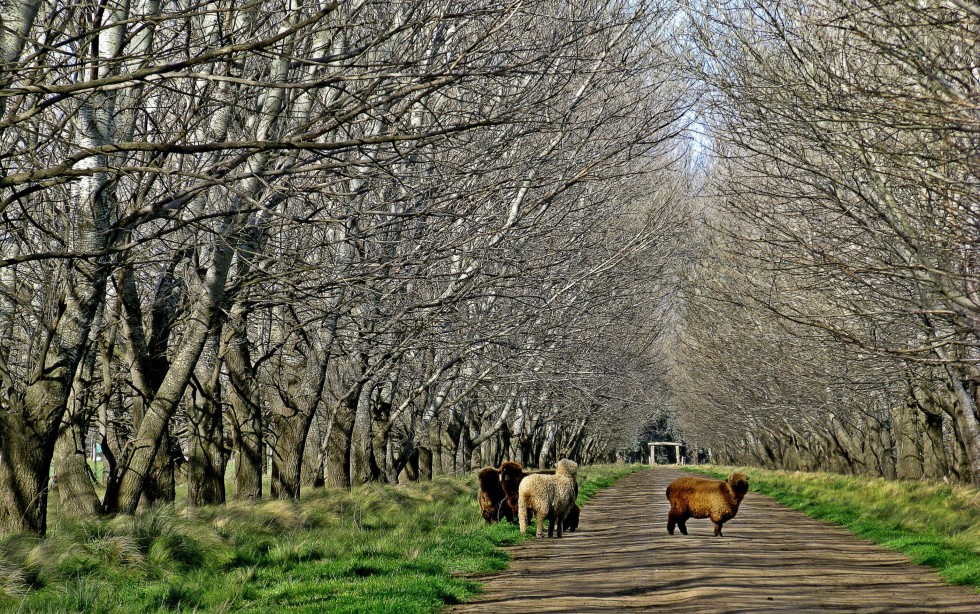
934, 524
593, 479
377, 549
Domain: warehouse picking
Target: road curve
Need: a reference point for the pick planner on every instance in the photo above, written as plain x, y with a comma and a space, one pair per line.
771, 559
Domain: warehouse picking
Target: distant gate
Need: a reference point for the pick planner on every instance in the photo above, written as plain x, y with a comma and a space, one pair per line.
677, 450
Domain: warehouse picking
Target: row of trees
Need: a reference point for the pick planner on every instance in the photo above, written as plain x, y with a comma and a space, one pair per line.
836, 308
369, 240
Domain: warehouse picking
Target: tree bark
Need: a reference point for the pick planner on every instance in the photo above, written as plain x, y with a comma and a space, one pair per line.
76, 488
287, 458
382, 447
292, 417
361, 439
24, 466
885, 444
160, 485
313, 453
337, 471
967, 425
206, 455
425, 464
545, 457
908, 441
245, 418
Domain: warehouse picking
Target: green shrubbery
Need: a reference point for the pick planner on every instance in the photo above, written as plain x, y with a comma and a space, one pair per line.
934, 524
378, 548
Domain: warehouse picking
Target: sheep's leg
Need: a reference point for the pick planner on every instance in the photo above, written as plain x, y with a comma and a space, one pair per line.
719, 520
522, 515
543, 515
676, 518
506, 511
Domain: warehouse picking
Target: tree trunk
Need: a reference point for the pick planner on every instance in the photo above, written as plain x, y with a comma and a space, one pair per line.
294, 404
313, 454
425, 464
887, 459
851, 456
412, 466
518, 440
360, 444
206, 457
75, 482
476, 453
464, 446
965, 420
959, 466
392, 466
245, 417
935, 465
448, 444
382, 448
545, 457
28, 431
287, 457
337, 472
138, 458
967, 426
160, 485
76, 488
24, 470
908, 441
291, 421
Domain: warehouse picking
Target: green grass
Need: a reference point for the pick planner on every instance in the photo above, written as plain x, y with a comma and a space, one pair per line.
934, 524
379, 548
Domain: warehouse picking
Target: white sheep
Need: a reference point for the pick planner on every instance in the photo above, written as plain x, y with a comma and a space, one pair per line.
551, 497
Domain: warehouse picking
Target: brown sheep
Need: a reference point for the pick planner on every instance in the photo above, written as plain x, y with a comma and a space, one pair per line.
704, 498
511, 474
493, 499
551, 496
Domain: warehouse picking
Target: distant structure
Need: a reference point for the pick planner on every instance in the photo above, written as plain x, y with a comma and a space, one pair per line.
677, 450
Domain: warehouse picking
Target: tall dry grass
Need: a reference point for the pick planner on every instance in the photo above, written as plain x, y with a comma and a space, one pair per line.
378, 548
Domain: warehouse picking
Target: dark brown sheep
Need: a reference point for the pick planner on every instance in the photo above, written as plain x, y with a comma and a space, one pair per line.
704, 498
493, 499
571, 521
511, 474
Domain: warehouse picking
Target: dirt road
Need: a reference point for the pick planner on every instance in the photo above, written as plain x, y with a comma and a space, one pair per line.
772, 558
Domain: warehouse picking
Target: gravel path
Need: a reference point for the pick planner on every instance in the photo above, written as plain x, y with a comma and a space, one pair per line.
771, 559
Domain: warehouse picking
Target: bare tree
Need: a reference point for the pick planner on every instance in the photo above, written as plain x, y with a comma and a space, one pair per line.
843, 176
